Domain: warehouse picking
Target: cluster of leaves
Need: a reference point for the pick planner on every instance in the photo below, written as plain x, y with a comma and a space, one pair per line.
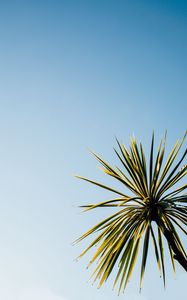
155, 198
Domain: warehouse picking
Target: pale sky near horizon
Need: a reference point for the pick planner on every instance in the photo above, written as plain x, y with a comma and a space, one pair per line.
75, 74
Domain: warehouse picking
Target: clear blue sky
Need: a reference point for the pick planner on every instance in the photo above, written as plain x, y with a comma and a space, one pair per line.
73, 75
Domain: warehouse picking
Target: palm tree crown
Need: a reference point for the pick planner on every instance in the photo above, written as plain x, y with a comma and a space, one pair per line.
154, 198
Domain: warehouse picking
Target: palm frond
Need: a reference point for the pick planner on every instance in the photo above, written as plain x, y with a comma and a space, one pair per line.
153, 197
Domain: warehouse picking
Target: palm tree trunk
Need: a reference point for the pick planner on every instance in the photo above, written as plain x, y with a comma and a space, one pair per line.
178, 255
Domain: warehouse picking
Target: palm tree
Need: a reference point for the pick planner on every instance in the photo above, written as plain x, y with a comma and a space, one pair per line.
153, 209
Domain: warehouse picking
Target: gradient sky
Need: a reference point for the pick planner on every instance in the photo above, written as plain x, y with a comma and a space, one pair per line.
74, 74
